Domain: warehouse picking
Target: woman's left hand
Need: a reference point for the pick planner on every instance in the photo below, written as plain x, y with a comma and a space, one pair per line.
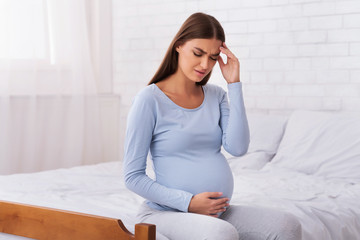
230, 70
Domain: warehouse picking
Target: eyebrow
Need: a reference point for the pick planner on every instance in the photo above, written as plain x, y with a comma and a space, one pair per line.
202, 51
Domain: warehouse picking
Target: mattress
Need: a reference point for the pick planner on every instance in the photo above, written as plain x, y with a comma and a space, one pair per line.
327, 208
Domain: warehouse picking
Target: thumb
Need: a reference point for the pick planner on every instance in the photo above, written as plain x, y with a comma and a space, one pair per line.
215, 194
221, 62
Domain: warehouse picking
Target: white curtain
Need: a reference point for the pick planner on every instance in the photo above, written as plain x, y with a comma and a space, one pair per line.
49, 109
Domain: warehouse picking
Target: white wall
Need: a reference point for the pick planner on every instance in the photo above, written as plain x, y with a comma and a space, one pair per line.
294, 54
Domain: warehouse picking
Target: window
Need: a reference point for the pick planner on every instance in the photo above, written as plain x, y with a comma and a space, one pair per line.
23, 30
27, 37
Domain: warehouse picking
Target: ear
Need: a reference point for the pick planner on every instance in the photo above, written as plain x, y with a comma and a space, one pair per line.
178, 46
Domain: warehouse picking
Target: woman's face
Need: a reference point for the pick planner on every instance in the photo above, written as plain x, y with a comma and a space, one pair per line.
197, 57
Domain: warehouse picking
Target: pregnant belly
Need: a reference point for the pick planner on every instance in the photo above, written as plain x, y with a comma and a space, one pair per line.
205, 174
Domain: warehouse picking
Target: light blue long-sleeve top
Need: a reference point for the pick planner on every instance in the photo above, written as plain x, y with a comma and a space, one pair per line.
184, 145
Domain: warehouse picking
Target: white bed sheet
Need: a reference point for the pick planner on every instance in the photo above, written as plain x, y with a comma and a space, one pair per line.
327, 208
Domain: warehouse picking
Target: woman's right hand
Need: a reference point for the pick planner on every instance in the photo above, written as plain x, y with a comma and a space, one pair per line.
208, 203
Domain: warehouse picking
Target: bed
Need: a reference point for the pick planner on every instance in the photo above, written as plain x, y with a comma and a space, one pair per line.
307, 164
86, 202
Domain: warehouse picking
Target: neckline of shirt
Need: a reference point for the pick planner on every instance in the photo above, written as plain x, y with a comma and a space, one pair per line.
178, 106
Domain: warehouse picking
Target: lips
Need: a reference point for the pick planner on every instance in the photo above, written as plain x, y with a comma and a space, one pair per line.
201, 73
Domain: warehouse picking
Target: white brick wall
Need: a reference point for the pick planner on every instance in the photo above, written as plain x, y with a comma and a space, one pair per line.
294, 54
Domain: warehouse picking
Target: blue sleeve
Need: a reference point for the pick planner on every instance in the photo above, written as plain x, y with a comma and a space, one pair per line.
140, 125
233, 122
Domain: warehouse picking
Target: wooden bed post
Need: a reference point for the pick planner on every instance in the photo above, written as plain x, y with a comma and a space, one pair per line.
145, 231
51, 224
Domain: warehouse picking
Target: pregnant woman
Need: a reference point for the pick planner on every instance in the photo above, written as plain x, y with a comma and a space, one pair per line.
183, 122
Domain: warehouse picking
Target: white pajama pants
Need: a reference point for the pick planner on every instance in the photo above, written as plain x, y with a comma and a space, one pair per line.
238, 222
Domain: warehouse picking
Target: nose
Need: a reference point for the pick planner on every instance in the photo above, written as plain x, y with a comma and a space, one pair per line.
204, 63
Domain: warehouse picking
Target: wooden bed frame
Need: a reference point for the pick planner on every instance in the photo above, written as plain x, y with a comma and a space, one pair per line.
53, 224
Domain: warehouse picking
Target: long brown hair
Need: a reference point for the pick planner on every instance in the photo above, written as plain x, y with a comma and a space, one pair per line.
198, 25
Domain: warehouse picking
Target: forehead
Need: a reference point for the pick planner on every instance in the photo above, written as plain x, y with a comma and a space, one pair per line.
208, 45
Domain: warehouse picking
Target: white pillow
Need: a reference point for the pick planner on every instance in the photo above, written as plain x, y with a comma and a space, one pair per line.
266, 132
252, 160
320, 143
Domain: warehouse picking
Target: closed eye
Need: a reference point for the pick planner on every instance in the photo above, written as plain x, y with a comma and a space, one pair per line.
199, 55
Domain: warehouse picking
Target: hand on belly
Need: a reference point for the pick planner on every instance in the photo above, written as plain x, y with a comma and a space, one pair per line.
208, 203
